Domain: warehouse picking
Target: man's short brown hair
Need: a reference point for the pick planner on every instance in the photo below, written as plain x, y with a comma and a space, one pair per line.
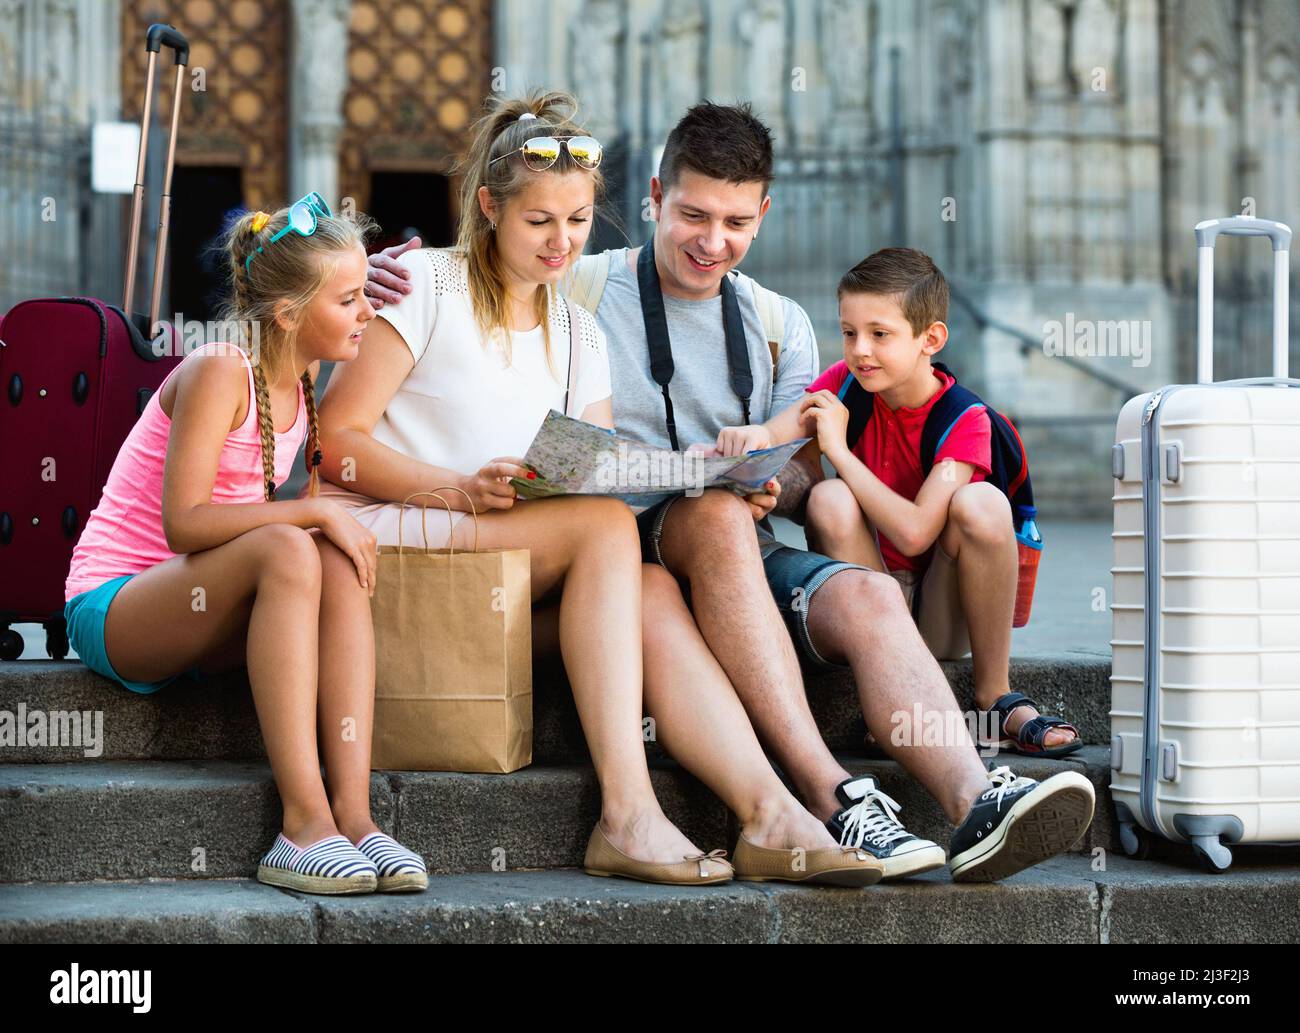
904, 273
724, 142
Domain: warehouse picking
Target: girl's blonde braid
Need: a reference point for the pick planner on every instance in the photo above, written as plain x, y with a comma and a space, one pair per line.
312, 455
267, 427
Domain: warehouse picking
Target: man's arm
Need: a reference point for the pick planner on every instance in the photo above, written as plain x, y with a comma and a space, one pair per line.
800, 474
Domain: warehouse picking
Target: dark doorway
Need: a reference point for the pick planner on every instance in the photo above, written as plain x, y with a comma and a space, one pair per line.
203, 197
409, 203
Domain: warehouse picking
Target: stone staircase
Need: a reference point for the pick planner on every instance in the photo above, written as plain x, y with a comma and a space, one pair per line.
155, 839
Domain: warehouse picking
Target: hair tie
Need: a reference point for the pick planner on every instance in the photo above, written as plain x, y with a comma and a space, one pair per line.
316, 458
270, 490
526, 115
259, 221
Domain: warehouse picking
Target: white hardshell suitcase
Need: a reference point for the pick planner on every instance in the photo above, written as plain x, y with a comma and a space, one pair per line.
1205, 677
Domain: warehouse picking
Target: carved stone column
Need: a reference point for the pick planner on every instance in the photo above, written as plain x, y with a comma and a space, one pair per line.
320, 45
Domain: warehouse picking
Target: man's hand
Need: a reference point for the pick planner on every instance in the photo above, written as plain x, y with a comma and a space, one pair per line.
385, 279
736, 441
827, 415
761, 503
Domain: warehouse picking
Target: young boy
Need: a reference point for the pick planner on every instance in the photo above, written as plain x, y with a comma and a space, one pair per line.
948, 534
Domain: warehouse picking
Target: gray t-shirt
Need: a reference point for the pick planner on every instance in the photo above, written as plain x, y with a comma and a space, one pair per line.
703, 401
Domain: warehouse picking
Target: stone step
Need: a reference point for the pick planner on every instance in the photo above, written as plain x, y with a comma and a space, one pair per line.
214, 819
1064, 900
214, 718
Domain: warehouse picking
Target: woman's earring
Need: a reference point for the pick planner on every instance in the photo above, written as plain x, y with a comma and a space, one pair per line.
493, 225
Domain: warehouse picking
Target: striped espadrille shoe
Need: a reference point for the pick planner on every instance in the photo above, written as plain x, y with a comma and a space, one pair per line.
400, 870
332, 865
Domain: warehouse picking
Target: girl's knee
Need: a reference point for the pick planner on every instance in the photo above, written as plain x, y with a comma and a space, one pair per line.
285, 554
334, 562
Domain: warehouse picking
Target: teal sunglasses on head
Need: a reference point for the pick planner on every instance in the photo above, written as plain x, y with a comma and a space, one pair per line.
303, 220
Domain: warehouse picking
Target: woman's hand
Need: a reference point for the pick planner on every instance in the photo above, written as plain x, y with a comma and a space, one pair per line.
356, 542
490, 488
386, 280
827, 415
736, 441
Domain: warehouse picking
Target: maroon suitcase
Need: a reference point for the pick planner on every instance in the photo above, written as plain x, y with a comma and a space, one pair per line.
76, 373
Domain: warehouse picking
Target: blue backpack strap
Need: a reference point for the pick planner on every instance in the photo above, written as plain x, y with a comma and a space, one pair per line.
951, 406
860, 405
1010, 469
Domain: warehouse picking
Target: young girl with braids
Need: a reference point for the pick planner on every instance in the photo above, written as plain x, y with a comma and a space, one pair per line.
191, 562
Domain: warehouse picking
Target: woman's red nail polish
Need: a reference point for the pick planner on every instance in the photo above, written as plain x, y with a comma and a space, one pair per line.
532, 476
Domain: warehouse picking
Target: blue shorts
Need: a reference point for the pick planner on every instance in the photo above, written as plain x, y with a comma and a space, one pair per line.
85, 615
793, 576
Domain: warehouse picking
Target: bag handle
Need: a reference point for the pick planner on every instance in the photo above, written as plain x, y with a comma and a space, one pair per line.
1240, 226
424, 509
158, 36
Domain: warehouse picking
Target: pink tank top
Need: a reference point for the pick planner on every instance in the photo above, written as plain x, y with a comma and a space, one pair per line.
124, 534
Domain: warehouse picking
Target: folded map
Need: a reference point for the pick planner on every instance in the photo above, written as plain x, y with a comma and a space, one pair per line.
571, 457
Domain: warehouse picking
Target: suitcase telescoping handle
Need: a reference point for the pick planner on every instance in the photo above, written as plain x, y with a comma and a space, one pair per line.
1242, 226
156, 38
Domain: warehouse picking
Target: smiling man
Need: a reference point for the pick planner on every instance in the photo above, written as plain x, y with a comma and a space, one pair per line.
698, 353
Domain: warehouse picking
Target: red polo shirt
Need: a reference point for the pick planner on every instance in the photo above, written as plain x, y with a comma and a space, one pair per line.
891, 448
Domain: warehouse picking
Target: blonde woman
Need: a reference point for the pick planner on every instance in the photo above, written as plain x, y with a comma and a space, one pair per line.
189, 561
450, 388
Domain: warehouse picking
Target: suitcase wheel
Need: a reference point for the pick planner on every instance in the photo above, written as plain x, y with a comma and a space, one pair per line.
56, 640
1213, 855
1135, 841
11, 644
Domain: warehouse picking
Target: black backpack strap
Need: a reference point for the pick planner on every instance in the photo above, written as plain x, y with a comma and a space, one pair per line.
656, 329
951, 406
860, 405
1009, 464
742, 376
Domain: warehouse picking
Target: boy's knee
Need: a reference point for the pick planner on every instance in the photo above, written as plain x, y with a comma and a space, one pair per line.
832, 507
981, 512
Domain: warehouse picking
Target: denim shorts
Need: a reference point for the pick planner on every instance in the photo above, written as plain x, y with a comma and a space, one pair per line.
650, 525
85, 615
794, 575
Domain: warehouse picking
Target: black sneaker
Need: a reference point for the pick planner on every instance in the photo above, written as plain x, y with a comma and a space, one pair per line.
869, 821
1017, 822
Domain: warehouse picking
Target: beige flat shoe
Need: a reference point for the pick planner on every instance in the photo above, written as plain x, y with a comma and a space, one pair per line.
827, 866
604, 859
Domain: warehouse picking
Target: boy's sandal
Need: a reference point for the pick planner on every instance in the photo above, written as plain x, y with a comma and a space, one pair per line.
400, 870
605, 859
826, 866
1028, 738
331, 866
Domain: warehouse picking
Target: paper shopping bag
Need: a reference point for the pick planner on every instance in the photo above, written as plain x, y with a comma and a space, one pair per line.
453, 656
